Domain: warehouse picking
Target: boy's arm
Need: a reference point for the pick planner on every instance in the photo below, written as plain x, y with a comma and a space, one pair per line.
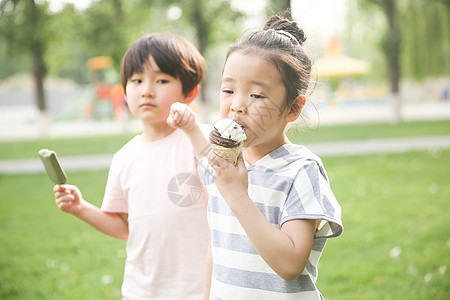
69, 199
183, 117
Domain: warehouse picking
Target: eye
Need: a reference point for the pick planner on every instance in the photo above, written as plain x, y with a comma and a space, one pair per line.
257, 96
227, 91
135, 79
162, 81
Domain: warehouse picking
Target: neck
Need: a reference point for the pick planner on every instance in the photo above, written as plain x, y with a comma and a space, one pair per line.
154, 132
254, 153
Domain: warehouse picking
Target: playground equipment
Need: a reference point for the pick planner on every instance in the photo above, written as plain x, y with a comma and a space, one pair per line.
107, 98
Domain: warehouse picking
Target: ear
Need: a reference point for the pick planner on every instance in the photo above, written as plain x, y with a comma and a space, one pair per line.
296, 109
192, 95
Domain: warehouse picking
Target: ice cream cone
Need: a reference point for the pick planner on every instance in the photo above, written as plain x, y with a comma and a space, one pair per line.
230, 154
227, 139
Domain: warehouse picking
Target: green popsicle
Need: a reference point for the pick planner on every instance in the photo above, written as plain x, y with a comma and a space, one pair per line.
52, 166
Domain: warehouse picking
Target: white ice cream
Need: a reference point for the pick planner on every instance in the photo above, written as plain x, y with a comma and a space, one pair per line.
230, 129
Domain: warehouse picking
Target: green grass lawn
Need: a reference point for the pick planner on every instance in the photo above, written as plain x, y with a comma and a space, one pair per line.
369, 131
396, 242
111, 143
48, 254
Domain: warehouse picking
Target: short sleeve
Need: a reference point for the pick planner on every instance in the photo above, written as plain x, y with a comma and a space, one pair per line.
114, 199
310, 197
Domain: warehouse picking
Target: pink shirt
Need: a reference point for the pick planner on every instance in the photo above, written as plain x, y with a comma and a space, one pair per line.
157, 184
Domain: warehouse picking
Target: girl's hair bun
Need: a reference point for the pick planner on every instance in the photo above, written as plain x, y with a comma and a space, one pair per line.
278, 23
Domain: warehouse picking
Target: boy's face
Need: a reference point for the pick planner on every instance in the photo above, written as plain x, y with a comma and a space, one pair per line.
150, 94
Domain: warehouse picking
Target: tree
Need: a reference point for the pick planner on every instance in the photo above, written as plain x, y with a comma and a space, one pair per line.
425, 39
24, 24
391, 48
206, 17
60, 43
280, 7
415, 47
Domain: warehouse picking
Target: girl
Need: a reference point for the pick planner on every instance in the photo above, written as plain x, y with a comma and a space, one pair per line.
271, 215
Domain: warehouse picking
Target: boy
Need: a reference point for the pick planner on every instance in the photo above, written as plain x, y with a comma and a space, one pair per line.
153, 196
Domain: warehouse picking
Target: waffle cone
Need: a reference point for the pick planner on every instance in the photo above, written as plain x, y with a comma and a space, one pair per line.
230, 154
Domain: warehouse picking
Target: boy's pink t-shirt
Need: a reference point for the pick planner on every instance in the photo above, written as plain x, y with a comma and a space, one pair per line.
157, 184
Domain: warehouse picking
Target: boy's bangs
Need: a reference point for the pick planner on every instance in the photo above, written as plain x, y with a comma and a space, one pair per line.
165, 57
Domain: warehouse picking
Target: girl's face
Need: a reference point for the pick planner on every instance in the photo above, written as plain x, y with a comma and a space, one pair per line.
252, 93
150, 94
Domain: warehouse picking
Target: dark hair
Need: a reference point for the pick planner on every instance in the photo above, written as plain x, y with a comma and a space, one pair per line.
173, 54
281, 43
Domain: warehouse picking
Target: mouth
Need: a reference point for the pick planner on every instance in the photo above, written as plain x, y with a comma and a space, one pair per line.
240, 124
147, 105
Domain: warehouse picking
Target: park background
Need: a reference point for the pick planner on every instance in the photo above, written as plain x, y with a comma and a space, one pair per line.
59, 63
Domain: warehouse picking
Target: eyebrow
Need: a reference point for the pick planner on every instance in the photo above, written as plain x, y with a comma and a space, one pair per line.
255, 82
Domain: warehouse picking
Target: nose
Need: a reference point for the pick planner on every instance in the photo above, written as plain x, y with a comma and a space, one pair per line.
238, 106
147, 90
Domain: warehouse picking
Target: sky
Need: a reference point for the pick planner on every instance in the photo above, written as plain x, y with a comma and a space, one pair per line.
321, 18
324, 17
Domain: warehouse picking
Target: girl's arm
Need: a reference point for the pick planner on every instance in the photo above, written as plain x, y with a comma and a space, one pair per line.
183, 117
208, 273
287, 250
69, 199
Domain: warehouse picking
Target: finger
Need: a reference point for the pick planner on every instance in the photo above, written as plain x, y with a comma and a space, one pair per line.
61, 193
240, 164
217, 162
65, 198
181, 113
181, 108
58, 188
212, 158
171, 119
63, 204
191, 118
174, 119
178, 107
185, 119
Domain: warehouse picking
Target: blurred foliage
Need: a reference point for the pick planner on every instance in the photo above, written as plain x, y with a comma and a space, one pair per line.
106, 28
424, 36
279, 7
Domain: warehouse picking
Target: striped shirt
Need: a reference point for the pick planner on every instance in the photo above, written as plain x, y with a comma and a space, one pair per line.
289, 183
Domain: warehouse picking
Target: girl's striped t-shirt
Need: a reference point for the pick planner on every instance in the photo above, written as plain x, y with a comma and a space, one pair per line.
288, 183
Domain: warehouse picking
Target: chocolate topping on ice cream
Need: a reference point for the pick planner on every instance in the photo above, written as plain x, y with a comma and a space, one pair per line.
216, 138
227, 133
227, 139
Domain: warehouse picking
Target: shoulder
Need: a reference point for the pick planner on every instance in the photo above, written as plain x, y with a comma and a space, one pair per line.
309, 162
127, 151
129, 146
290, 159
304, 158
300, 152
